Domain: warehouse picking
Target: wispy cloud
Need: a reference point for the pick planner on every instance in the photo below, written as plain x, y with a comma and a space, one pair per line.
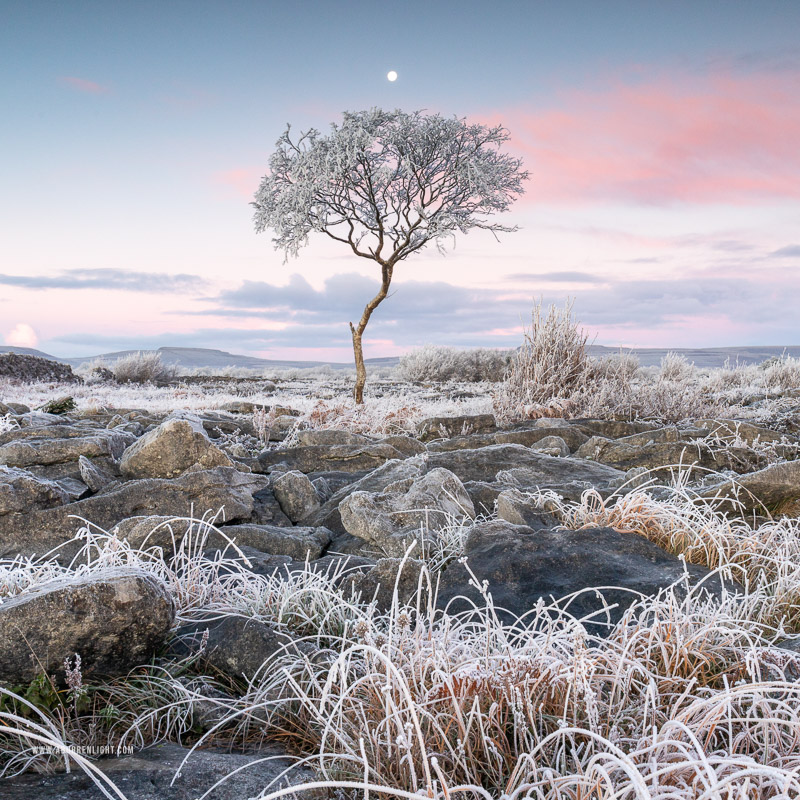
82, 85
114, 279
553, 277
721, 138
790, 251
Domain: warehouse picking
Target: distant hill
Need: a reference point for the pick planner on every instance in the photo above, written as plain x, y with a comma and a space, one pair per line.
29, 351
200, 357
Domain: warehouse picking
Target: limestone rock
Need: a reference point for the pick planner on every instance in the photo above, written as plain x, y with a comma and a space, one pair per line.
522, 565
113, 622
170, 450
393, 518
222, 489
20, 491
296, 495
447, 427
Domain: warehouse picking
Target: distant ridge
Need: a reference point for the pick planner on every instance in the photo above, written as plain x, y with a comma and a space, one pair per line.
201, 357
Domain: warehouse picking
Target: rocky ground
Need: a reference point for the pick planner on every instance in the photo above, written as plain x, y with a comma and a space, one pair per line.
461, 487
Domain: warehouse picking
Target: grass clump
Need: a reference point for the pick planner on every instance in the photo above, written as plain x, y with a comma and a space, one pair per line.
142, 367
552, 375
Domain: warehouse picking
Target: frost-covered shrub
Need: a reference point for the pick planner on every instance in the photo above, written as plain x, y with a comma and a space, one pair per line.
550, 367
435, 363
675, 367
552, 375
143, 368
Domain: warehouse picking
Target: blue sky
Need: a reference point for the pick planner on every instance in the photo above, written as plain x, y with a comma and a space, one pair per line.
660, 136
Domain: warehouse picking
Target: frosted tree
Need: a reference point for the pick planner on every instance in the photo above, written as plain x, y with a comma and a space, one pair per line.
386, 183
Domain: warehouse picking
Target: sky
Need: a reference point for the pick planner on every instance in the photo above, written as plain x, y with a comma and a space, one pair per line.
661, 140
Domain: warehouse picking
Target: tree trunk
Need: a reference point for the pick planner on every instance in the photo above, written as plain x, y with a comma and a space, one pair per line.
357, 331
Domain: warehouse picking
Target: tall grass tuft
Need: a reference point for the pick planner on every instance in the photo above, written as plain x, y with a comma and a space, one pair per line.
551, 366
143, 367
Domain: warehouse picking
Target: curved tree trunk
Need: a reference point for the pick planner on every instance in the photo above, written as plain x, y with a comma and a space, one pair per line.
357, 331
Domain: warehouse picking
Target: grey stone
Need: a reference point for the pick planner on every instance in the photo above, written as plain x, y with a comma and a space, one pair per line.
43, 451
171, 449
518, 509
522, 566
236, 646
664, 455
148, 775
114, 622
551, 446
403, 511
380, 581
316, 436
93, 475
374, 481
21, 492
296, 495
222, 489
776, 489
341, 457
447, 427
485, 463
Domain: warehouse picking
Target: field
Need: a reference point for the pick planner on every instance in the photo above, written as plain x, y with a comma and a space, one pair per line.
685, 692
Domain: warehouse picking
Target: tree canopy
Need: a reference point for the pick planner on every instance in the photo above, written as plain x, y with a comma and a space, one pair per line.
386, 183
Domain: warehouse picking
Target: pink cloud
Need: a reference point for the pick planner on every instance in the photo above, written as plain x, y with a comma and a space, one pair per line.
81, 85
243, 181
717, 140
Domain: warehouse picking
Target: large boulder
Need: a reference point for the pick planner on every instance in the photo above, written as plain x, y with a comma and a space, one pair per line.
523, 565
391, 519
20, 491
114, 622
170, 450
231, 494
374, 481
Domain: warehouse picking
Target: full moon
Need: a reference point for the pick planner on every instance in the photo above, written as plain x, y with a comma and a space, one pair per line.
392, 76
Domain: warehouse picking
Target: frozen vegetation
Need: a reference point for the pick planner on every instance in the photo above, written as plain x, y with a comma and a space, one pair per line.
355, 592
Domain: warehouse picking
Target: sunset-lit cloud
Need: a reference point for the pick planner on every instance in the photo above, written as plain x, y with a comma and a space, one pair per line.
667, 139
82, 85
22, 335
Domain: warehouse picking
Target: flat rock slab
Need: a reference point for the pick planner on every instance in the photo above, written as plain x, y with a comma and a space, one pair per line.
113, 622
523, 566
225, 488
483, 465
147, 775
342, 457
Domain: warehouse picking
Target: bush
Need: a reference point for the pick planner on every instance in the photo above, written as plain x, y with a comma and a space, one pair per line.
552, 375
143, 368
434, 363
551, 366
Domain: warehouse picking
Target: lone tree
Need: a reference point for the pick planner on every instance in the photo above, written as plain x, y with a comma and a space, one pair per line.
386, 183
